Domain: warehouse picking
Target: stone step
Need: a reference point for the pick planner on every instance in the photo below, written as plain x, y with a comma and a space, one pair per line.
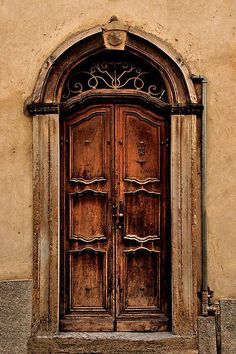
74, 343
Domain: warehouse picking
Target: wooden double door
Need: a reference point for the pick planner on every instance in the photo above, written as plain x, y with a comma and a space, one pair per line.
114, 220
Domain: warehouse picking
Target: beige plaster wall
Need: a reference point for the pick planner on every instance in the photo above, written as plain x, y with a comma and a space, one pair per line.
203, 32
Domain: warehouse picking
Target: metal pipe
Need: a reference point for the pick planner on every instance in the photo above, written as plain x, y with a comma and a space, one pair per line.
205, 294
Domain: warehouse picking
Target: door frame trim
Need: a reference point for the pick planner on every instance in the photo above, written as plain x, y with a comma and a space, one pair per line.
185, 179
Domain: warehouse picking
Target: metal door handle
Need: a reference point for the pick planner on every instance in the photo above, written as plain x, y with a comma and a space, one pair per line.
121, 215
118, 217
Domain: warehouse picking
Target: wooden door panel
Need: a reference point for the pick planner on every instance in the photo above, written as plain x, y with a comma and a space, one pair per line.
86, 219
141, 222
88, 280
142, 147
88, 214
142, 282
87, 148
141, 243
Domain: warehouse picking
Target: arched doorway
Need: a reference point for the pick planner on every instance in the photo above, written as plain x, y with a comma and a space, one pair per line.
115, 214
175, 116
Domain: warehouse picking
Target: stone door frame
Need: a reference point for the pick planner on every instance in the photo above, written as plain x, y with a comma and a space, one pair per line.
44, 105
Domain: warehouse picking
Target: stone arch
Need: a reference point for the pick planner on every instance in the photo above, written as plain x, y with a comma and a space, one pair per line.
45, 105
82, 45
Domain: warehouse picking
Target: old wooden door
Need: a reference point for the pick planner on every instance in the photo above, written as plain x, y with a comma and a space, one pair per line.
114, 220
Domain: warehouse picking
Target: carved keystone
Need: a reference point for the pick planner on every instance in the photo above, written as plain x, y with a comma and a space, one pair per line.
114, 34
114, 38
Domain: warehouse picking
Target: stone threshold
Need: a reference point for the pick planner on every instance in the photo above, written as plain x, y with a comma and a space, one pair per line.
113, 342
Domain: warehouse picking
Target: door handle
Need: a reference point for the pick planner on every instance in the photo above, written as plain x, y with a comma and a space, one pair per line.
118, 215
121, 215
121, 221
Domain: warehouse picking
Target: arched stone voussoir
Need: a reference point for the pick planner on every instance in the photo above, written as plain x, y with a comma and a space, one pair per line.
115, 35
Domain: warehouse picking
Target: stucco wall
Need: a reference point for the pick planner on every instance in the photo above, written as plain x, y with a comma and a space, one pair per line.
204, 33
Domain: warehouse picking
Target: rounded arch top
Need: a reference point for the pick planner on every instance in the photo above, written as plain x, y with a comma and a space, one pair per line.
113, 36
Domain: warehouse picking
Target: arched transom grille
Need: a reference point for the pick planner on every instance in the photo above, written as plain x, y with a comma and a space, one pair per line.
127, 74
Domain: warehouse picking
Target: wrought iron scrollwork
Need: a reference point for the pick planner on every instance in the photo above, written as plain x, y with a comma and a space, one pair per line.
115, 75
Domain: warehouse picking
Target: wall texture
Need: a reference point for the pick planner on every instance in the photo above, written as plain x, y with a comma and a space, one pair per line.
204, 33
15, 316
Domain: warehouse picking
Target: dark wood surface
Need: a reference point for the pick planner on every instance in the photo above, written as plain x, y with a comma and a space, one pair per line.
115, 225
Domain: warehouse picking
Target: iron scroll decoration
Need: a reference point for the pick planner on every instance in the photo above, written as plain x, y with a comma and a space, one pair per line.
115, 75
